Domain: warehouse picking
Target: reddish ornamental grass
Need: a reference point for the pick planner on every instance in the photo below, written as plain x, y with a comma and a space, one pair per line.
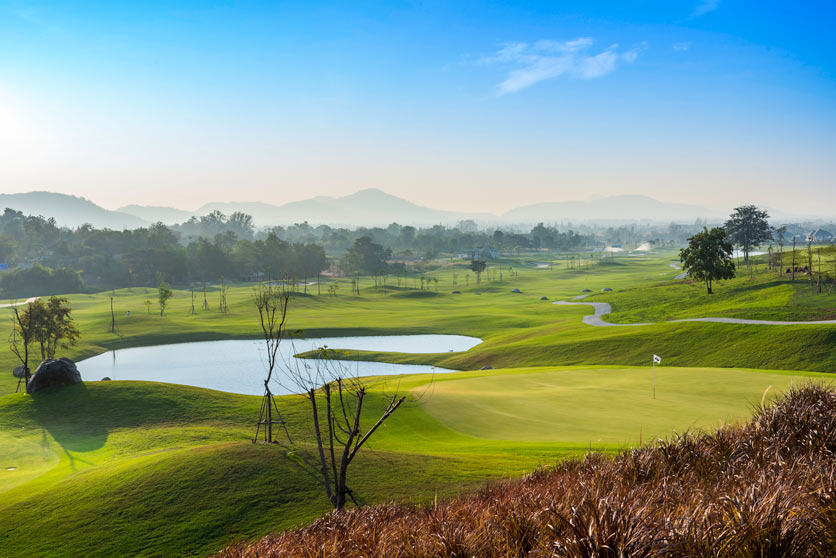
763, 489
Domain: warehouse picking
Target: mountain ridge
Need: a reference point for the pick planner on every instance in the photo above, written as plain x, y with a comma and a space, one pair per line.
367, 207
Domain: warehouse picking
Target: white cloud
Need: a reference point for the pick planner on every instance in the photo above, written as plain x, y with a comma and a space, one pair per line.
683, 46
704, 7
548, 59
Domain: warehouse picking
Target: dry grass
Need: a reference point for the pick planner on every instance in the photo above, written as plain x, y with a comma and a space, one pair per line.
764, 489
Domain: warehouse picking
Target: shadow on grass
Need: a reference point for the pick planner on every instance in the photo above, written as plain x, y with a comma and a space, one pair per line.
62, 413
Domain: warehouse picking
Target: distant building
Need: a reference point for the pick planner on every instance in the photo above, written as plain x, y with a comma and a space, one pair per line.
821, 236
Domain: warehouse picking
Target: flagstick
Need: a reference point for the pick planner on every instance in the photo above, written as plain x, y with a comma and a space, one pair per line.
654, 378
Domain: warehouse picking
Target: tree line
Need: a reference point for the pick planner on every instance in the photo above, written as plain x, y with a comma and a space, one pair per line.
47, 258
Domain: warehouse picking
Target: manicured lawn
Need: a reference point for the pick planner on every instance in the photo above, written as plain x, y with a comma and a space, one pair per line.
518, 329
145, 469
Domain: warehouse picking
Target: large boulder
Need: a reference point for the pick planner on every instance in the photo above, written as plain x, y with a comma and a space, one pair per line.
54, 372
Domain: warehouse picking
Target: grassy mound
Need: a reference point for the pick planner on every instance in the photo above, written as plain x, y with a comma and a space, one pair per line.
763, 489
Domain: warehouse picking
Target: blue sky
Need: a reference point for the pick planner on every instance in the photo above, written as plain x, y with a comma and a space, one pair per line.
460, 105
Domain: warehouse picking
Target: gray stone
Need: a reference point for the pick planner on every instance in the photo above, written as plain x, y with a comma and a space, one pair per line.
487, 367
457, 292
516, 291
106, 379
606, 289
18, 371
54, 372
544, 298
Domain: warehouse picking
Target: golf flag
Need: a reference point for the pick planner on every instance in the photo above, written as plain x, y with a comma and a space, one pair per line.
657, 359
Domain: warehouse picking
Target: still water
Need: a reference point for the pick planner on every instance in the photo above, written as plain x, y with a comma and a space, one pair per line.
238, 366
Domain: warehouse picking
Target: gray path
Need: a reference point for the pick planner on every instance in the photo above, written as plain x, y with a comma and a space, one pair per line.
27, 301
604, 308
681, 275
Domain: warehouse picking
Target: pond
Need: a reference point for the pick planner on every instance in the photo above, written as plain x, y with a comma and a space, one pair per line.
238, 366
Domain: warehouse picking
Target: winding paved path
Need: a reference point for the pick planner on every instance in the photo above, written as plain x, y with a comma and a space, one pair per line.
681, 275
604, 308
27, 301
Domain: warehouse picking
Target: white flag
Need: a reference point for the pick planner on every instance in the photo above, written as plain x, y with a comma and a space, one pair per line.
657, 359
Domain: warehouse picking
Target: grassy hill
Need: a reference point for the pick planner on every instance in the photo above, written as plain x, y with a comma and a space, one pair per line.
145, 469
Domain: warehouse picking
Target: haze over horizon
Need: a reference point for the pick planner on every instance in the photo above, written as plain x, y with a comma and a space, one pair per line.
477, 107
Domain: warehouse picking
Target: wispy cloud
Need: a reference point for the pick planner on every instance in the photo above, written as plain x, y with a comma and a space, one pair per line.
704, 7
548, 59
683, 46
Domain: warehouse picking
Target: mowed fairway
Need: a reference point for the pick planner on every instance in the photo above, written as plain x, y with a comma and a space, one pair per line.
601, 406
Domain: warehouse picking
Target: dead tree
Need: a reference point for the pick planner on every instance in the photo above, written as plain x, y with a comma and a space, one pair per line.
271, 302
336, 400
23, 334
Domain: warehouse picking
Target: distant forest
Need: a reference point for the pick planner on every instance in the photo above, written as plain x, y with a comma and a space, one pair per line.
45, 258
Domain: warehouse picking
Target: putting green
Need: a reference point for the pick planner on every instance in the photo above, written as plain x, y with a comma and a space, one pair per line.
601, 405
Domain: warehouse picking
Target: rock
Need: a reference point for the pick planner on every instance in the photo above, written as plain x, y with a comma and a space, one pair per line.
106, 379
516, 291
457, 292
18, 371
487, 367
586, 290
477, 293
606, 289
544, 298
54, 372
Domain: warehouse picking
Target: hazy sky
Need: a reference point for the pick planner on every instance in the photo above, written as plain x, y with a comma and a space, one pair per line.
457, 105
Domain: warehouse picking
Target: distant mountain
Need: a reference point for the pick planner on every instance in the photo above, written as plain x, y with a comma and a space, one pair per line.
370, 207
612, 208
367, 207
157, 213
69, 211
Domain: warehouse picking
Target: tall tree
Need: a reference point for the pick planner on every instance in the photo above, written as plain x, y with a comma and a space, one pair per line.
366, 257
708, 256
52, 325
477, 267
21, 339
164, 292
748, 227
271, 302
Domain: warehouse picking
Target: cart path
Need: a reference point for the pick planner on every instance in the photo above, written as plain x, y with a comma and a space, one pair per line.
12, 304
604, 308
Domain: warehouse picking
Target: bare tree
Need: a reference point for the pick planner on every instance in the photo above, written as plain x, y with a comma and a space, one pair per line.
23, 334
271, 302
336, 401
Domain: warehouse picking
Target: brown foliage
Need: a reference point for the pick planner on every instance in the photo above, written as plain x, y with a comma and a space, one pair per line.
764, 489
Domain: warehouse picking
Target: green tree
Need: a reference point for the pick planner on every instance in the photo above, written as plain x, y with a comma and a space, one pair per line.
748, 227
163, 294
365, 257
708, 256
52, 325
477, 267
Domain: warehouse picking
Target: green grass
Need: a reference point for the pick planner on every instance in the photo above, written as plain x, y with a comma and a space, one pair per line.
132, 468
518, 329
145, 469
